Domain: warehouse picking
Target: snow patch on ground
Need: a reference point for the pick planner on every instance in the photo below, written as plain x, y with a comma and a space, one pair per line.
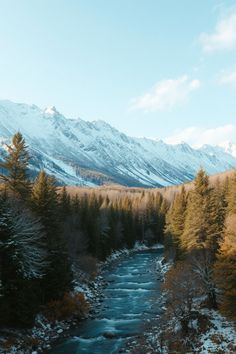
221, 336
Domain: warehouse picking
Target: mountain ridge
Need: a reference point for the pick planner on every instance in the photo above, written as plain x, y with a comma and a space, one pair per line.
79, 152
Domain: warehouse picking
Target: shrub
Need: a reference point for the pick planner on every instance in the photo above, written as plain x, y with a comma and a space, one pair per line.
70, 306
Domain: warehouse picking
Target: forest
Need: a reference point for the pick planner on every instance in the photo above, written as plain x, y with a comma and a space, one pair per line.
200, 238
49, 235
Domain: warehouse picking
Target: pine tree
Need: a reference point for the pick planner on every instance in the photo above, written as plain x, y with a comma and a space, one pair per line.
162, 211
22, 263
15, 167
105, 245
64, 203
75, 204
128, 222
201, 233
115, 227
45, 205
175, 222
215, 217
196, 222
91, 223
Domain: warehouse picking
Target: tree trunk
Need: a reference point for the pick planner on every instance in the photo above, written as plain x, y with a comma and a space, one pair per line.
212, 299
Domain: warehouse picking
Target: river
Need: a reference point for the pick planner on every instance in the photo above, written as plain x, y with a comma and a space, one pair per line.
130, 300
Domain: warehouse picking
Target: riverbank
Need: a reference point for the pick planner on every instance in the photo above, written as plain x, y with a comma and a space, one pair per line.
129, 302
208, 332
46, 333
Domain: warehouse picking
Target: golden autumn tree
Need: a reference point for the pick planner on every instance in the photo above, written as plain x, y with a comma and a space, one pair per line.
225, 269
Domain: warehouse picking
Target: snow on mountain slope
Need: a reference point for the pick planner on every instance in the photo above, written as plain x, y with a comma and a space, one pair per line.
229, 147
91, 153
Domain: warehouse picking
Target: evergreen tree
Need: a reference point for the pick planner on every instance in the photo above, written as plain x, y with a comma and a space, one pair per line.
175, 222
45, 204
128, 222
15, 167
22, 263
196, 222
162, 211
75, 204
201, 233
105, 245
91, 220
64, 203
215, 217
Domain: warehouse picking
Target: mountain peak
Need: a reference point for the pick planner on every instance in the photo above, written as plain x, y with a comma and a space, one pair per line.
51, 110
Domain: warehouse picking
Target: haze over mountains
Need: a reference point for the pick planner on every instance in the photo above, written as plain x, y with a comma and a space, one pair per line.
78, 152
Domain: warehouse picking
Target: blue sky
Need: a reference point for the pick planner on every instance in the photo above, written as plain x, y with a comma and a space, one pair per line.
154, 68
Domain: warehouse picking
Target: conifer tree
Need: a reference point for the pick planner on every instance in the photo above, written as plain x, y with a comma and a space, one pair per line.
22, 263
175, 222
231, 195
15, 167
127, 222
225, 269
196, 222
215, 217
45, 204
64, 203
91, 221
75, 204
201, 233
163, 209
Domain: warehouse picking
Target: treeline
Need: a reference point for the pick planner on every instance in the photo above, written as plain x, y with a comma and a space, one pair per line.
45, 233
98, 224
200, 237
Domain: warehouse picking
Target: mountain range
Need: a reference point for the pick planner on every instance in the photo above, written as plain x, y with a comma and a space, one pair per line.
78, 152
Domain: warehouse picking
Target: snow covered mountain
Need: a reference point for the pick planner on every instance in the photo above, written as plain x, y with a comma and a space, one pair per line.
78, 152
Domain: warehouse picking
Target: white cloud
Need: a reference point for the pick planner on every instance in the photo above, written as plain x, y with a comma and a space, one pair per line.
196, 136
228, 78
224, 36
166, 94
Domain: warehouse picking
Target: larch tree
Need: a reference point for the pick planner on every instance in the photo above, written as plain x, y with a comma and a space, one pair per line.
231, 194
196, 222
225, 269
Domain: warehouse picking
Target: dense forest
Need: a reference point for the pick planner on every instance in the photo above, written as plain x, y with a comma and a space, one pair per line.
200, 238
48, 235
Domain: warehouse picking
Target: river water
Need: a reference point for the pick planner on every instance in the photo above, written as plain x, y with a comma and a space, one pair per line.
130, 300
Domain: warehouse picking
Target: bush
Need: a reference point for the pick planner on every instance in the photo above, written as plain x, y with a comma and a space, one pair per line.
70, 306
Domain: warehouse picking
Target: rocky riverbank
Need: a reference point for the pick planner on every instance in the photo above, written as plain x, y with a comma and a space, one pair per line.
46, 333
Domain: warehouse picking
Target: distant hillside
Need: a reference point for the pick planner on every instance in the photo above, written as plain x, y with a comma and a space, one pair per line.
115, 191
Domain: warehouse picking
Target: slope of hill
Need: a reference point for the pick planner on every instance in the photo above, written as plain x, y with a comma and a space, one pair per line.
93, 153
